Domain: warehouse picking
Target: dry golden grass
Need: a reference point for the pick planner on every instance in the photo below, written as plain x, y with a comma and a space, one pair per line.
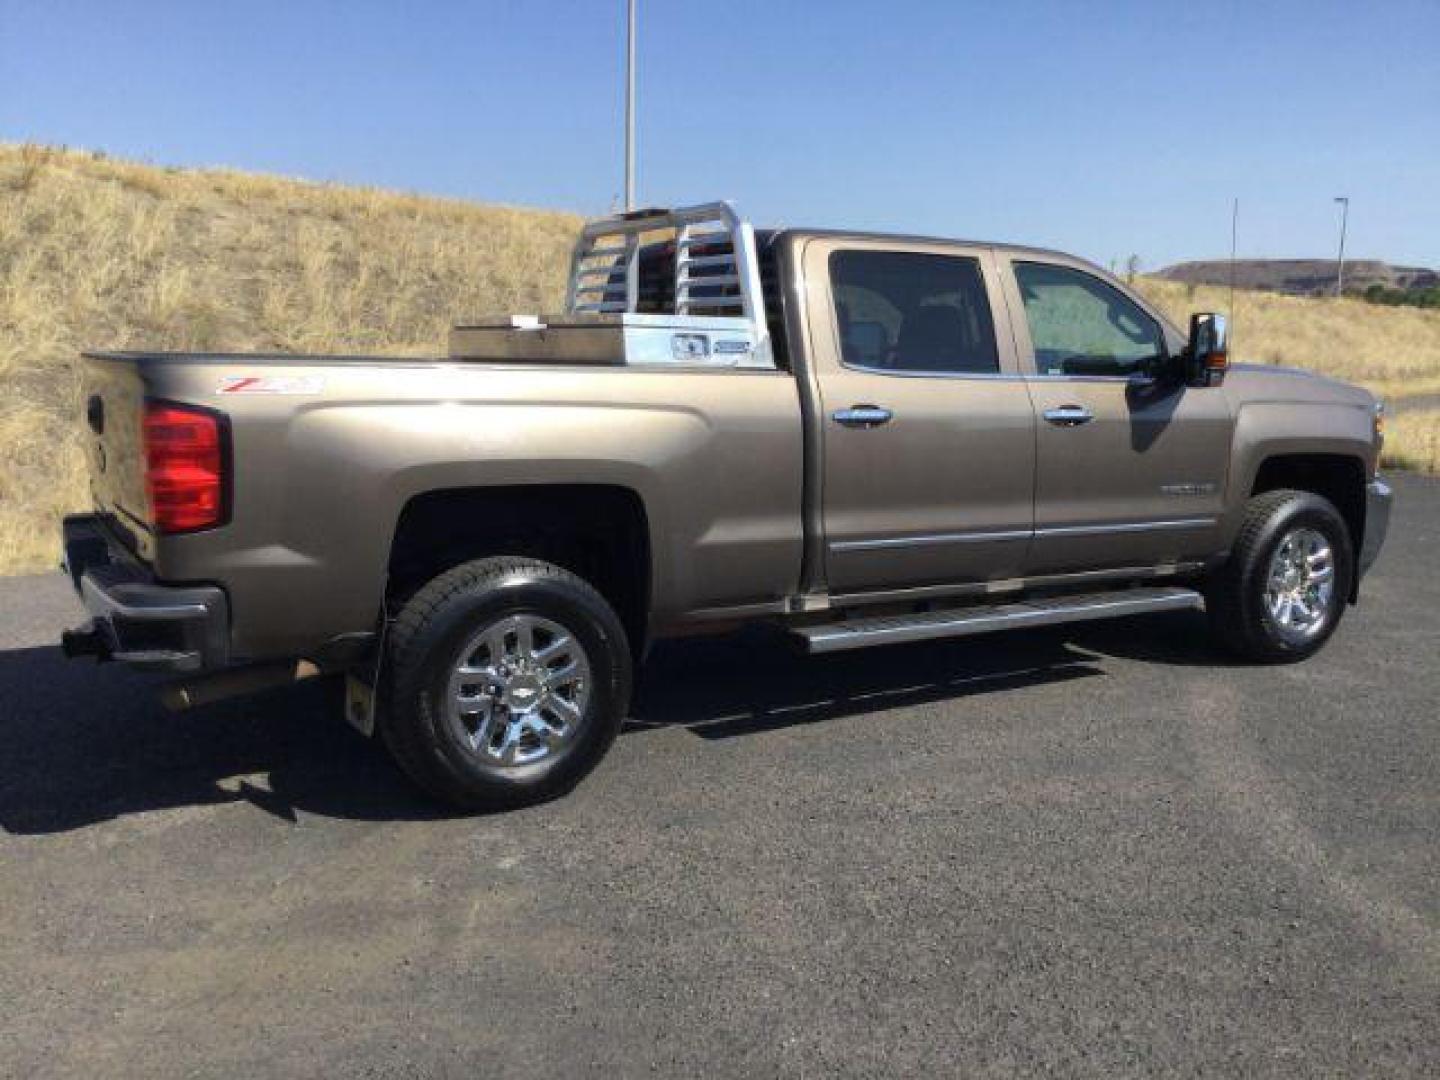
1412, 440
1393, 351
98, 253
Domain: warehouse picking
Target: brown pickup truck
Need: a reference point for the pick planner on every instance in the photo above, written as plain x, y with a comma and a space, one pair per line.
860, 439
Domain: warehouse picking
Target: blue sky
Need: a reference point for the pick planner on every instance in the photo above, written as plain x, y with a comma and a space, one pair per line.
1103, 129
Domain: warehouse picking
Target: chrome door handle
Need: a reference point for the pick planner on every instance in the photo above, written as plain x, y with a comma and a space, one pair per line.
863, 416
1069, 415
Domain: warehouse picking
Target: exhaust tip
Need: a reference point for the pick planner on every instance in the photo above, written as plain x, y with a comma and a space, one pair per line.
232, 682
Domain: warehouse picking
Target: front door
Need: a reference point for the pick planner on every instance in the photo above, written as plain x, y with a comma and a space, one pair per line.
926, 428
1130, 468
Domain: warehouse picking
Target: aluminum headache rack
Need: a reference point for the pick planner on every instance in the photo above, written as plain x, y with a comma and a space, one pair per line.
676, 287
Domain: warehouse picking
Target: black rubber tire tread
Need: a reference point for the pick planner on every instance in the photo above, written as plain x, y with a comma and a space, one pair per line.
417, 640
1234, 593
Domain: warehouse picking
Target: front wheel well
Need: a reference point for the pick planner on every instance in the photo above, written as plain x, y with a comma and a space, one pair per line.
598, 532
1336, 477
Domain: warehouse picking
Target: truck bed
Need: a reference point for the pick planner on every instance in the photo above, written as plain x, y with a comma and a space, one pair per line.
326, 452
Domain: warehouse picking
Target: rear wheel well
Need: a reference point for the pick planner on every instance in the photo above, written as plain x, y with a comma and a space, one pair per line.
599, 532
1336, 477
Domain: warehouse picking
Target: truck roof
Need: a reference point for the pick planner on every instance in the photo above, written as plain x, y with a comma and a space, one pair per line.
764, 238
768, 236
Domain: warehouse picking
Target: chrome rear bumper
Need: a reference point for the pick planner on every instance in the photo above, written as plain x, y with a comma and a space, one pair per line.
134, 619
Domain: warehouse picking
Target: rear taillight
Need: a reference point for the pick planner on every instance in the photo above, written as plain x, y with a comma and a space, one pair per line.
184, 467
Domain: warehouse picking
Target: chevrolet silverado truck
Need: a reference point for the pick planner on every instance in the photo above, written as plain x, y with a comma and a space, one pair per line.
860, 439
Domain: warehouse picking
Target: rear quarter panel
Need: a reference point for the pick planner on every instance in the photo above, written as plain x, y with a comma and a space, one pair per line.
321, 479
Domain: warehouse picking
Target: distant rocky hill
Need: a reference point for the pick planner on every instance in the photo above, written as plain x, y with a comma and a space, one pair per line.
1301, 277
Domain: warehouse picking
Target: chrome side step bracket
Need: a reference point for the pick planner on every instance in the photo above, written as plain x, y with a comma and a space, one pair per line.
984, 619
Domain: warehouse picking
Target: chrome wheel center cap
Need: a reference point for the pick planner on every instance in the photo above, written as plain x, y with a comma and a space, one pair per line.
523, 693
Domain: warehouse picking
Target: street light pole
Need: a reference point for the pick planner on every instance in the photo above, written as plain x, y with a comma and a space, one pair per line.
1234, 236
1344, 202
630, 106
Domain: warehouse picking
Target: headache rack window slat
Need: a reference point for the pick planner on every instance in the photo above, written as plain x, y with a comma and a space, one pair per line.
695, 262
710, 260
713, 281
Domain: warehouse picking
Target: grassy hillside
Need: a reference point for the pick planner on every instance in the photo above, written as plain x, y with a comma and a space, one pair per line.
1393, 351
97, 253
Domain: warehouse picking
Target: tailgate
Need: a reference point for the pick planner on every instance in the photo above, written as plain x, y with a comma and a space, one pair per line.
114, 397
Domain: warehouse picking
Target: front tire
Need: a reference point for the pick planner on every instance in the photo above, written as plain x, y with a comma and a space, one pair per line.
508, 679
1282, 592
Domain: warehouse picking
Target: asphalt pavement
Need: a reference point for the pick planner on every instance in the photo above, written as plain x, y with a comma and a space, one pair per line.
1099, 850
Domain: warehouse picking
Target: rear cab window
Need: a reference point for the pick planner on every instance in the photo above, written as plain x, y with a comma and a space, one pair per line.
909, 312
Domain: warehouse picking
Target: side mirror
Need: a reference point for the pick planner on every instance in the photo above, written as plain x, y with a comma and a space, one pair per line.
1207, 355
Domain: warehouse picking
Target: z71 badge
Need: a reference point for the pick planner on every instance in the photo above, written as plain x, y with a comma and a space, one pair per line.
270, 384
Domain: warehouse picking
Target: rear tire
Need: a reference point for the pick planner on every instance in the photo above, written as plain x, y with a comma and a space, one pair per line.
507, 681
1282, 592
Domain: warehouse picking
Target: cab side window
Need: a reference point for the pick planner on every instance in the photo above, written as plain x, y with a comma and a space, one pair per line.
1079, 325
908, 312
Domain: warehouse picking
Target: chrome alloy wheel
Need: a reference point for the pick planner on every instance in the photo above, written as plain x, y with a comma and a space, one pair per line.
1301, 584
518, 691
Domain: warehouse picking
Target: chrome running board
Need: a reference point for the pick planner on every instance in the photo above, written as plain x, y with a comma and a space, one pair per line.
984, 619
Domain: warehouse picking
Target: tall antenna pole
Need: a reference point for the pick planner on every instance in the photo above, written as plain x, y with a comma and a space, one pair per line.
1234, 233
1344, 201
630, 106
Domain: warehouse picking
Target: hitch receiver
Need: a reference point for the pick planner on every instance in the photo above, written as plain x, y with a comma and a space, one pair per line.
87, 640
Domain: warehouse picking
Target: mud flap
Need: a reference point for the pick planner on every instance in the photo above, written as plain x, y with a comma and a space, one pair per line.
360, 705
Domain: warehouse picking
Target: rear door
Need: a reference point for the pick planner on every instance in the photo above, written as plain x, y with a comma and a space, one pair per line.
926, 428
1130, 469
